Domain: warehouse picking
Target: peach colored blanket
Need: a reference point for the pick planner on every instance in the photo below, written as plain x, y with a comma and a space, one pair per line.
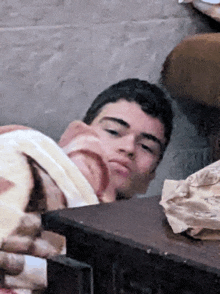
37, 175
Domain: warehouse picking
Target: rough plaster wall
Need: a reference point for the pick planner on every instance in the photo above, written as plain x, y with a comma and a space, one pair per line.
57, 55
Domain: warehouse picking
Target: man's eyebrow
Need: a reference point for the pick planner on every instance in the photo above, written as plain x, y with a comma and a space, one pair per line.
144, 135
155, 139
117, 120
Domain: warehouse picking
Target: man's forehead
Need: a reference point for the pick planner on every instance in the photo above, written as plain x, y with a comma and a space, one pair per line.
122, 109
133, 116
120, 106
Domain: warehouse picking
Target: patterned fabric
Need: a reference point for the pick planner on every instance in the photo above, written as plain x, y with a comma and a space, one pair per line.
7, 291
37, 175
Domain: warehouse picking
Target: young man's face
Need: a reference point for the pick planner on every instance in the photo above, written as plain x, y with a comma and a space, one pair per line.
133, 142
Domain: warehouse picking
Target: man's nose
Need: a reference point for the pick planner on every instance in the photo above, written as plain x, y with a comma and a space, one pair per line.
127, 145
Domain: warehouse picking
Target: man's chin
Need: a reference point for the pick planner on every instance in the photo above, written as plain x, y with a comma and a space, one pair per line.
122, 196
125, 189
127, 192
124, 193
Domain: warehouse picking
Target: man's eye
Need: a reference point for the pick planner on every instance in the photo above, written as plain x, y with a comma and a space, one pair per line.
145, 147
112, 132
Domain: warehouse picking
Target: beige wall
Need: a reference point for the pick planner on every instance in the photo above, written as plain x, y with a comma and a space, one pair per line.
57, 55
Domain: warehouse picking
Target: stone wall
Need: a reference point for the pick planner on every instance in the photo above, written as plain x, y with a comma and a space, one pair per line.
57, 55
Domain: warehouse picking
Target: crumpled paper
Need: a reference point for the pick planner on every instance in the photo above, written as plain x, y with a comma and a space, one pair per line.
193, 205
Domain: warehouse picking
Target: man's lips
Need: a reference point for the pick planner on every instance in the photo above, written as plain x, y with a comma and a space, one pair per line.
120, 166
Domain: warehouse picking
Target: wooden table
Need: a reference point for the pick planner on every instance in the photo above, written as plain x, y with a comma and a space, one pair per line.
130, 248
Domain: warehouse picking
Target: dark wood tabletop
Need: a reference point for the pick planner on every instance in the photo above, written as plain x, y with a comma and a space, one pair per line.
139, 224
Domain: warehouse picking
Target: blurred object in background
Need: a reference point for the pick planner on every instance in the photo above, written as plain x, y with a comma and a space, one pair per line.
191, 74
208, 7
